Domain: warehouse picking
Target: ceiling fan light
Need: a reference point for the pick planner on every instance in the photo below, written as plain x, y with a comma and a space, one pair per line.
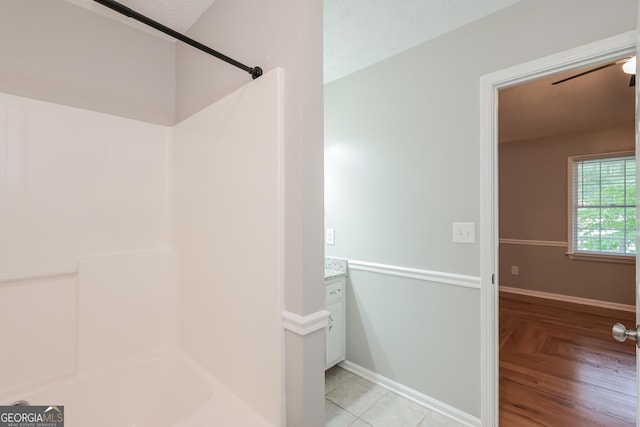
629, 67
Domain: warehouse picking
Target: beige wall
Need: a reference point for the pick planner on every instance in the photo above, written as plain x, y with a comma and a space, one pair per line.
274, 34
533, 206
285, 34
56, 51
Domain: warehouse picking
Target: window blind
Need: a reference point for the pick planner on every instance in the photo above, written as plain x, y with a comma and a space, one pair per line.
604, 206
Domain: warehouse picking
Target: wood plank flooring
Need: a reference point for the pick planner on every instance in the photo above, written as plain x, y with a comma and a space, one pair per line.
559, 365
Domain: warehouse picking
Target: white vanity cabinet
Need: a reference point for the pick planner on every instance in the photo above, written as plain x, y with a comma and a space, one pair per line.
335, 305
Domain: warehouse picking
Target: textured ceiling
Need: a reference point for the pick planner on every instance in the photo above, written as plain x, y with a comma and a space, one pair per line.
598, 100
358, 33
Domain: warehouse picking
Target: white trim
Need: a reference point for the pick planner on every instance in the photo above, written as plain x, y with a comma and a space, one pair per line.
571, 214
617, 259
489, 398
304, 325
624, 153
568, 298
550, 243
416, 273
413, 395
593, 53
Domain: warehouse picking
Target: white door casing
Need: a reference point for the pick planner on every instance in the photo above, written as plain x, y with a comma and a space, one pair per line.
584, 56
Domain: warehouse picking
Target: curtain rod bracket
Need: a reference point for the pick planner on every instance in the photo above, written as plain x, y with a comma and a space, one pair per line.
130, 13
256, 72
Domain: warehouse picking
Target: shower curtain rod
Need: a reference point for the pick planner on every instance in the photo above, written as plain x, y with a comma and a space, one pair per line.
124, 10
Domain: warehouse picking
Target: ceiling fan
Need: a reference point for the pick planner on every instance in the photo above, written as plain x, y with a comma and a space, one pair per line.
628, 66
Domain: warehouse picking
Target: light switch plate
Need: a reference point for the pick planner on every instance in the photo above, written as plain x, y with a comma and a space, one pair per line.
464, 232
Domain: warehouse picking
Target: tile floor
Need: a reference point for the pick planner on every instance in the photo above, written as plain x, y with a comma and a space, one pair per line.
354, 401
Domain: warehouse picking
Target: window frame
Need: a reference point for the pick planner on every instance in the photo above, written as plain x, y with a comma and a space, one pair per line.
589, 256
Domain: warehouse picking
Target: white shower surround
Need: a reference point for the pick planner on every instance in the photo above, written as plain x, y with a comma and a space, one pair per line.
165, 389
125, 240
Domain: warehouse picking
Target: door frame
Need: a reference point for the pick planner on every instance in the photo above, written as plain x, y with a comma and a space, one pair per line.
584, 56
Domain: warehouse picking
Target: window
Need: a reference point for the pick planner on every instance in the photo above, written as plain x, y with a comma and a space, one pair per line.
603, 207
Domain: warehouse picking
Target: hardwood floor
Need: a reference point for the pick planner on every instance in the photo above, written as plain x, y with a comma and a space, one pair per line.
559, 365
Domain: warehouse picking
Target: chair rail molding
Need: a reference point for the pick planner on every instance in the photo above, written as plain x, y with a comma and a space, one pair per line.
550, 243
416, 273
304, 325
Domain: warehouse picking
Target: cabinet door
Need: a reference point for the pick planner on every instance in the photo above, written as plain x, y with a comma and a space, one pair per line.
335, 335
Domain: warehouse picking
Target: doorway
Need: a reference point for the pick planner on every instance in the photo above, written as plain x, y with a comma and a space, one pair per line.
558, 362
491, 270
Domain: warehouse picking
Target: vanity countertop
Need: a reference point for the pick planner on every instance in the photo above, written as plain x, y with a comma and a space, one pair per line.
334, 268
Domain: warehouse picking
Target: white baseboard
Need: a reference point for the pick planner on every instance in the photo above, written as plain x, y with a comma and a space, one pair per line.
567, 298
413, 395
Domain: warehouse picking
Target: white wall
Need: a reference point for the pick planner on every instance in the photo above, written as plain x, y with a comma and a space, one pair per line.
402, 164
59, 52
84, 220
228, 232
